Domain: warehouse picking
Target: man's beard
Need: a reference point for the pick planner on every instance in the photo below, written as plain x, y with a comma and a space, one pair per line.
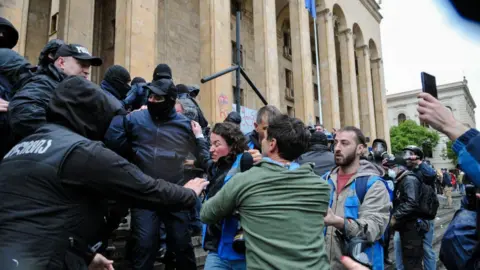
345, 160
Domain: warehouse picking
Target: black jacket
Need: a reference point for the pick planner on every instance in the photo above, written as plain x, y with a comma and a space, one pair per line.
14, 69
27, 109
426, 173
55, 184
158, 148
216, 175
407, 197
321, 156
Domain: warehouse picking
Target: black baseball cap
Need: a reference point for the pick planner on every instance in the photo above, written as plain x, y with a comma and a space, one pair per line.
78, 52
162, 71
163, 87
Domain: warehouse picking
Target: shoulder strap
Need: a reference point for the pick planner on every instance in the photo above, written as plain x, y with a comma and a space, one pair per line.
361, 187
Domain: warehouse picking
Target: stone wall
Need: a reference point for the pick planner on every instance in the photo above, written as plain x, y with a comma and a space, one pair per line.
178, 39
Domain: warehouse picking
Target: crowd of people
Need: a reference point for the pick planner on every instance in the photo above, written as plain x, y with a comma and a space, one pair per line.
77, 157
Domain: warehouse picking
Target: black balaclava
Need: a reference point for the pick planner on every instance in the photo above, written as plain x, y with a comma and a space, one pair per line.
138, 80
8, 34
162, 110
118, 77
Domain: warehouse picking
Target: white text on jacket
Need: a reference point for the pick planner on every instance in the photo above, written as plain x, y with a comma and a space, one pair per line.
30, 147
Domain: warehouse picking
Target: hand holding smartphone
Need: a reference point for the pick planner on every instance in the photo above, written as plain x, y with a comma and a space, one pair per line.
429, 84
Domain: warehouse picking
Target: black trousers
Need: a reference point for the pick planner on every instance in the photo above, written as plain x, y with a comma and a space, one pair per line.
412, 246
145, 239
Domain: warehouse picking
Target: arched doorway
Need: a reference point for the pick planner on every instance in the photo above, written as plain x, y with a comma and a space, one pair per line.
401, 118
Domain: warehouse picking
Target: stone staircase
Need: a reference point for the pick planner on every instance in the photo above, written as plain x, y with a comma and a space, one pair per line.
444, 216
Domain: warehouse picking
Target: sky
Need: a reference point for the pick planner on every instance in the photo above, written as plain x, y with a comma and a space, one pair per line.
427, 35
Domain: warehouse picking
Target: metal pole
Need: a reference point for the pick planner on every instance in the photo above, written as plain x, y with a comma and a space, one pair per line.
244, 74
218, 74
318, 71
238, 62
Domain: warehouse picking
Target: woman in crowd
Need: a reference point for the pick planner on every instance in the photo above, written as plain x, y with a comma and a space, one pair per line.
227, 157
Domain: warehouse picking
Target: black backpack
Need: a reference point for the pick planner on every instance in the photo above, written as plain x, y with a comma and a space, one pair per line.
428, 203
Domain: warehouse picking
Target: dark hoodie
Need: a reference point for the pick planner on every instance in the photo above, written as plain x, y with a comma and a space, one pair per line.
28, 107
9, 37
14, 69
48, 219
115, 82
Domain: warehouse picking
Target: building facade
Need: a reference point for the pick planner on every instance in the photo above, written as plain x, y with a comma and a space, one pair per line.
456, 96
196, 37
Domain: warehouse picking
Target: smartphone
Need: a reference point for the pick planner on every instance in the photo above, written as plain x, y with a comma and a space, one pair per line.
429, 84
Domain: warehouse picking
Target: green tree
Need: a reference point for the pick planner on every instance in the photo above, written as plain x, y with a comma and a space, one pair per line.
410, 133
449, 153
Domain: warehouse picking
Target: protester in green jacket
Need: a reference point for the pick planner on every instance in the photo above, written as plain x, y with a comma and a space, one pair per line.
281, 204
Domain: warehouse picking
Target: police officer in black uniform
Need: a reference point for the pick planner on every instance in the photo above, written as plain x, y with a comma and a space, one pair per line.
55, 184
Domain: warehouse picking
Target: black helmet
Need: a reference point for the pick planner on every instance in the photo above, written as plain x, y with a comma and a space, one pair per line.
413, 148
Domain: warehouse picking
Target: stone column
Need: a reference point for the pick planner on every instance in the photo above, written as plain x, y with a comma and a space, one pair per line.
16, 11
380, 100
328, 68
215, 55
266, 52
76, 22
136, 32
367, 107
349, 79
301, 62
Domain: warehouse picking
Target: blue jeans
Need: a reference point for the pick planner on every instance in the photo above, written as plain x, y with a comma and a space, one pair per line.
214, 262
397, 247
429, 256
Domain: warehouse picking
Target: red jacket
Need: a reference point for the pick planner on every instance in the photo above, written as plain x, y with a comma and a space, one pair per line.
454, 179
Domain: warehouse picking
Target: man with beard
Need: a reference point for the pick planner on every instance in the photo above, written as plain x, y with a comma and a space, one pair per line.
359, 201
158, 141
254, 138
27, 109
